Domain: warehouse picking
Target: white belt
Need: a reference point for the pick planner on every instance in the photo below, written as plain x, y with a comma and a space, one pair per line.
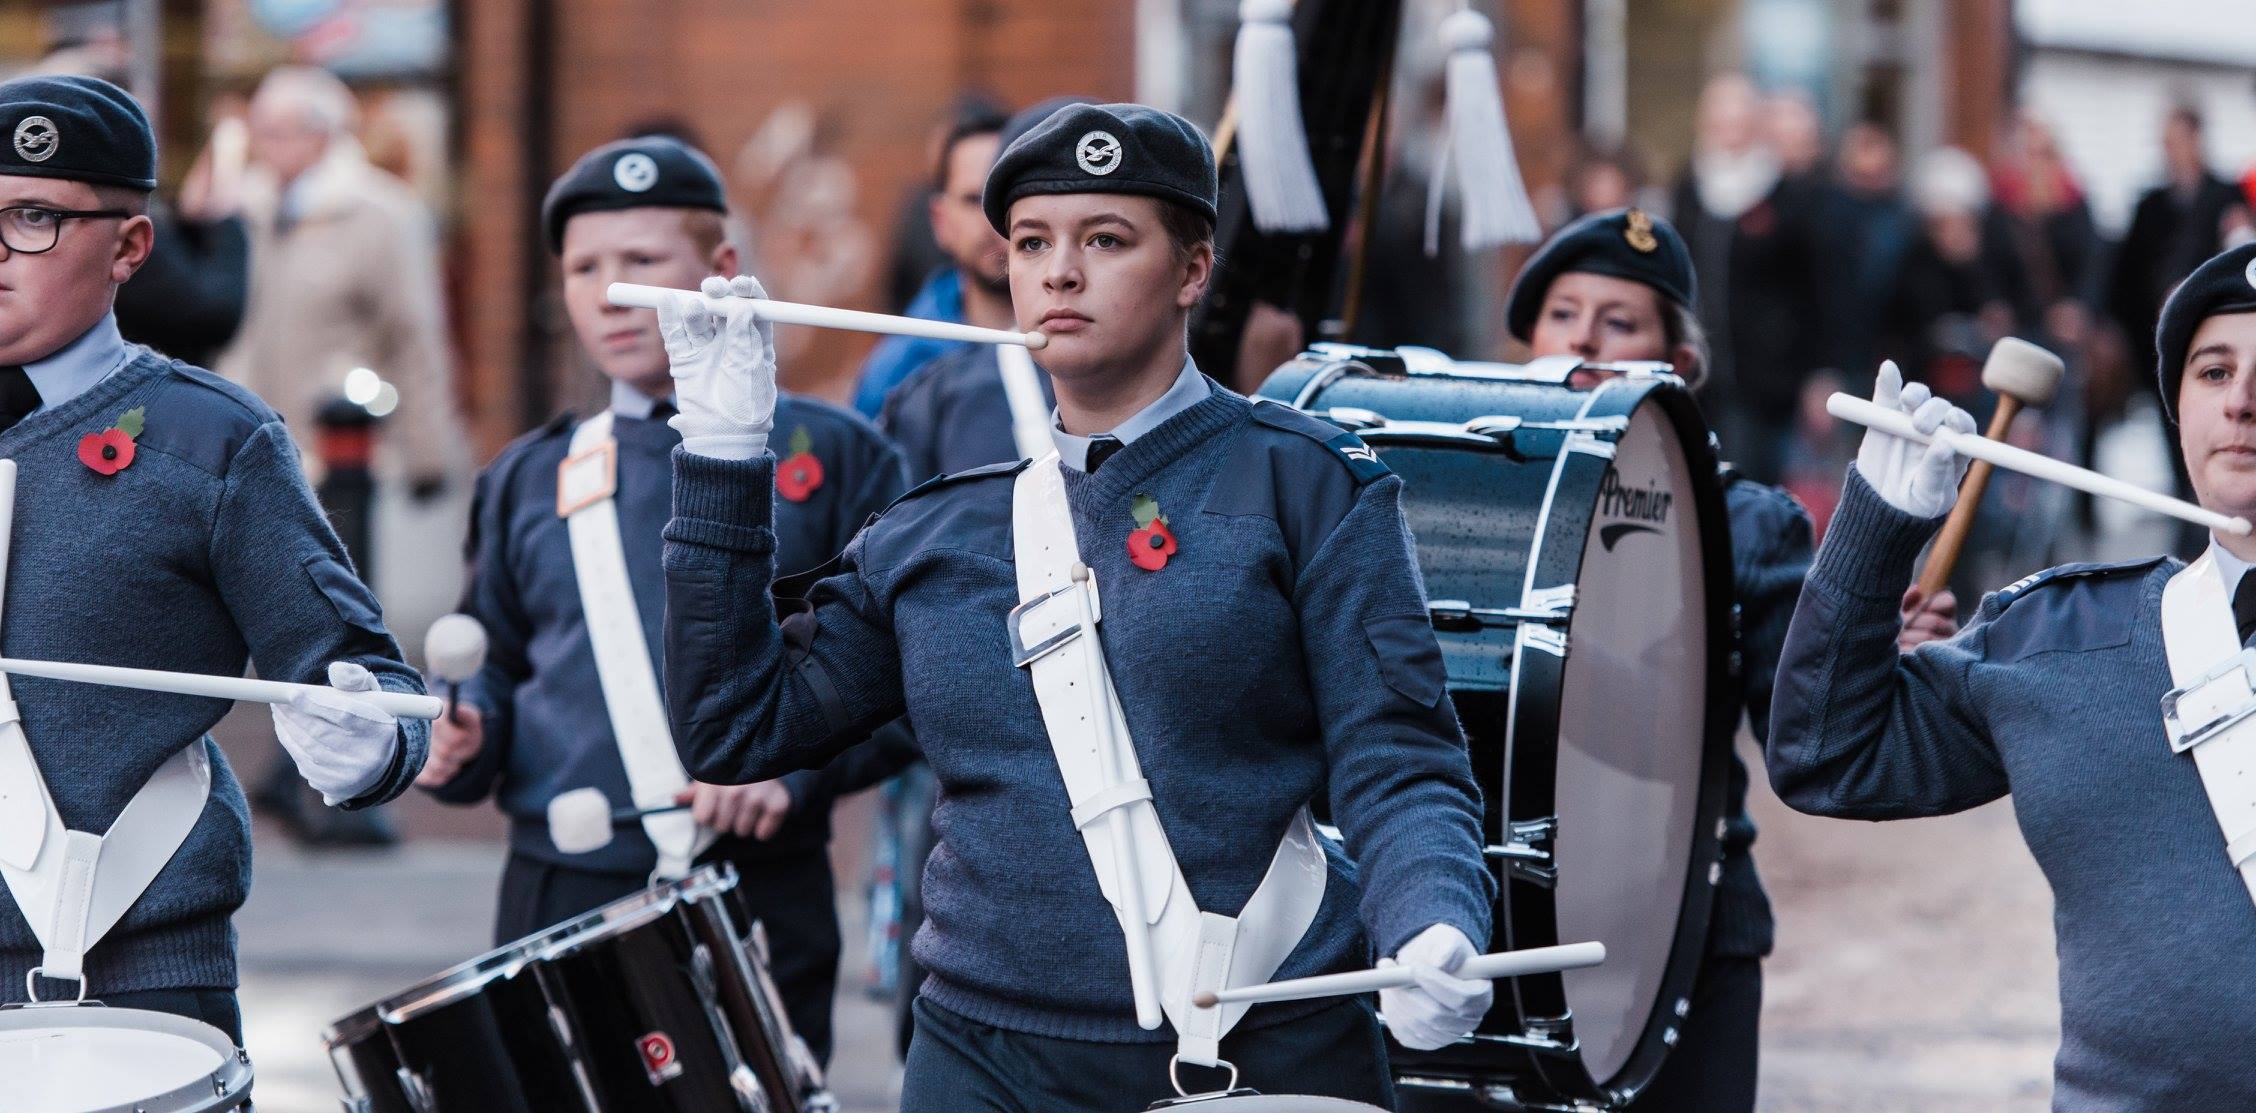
2212, 712
72, 887
585, 483
1175, 950
1029, 411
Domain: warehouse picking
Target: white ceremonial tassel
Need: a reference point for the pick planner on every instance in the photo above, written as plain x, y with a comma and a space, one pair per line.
1494, 209
1280, 177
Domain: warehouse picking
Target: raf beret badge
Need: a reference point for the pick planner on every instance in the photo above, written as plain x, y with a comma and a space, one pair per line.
1098, 153
1639, 234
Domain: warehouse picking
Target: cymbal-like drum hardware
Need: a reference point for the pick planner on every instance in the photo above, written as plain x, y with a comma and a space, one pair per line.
1571, 532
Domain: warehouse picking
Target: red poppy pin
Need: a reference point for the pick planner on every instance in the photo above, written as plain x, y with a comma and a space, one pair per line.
111, 450
800, 474
1152, 542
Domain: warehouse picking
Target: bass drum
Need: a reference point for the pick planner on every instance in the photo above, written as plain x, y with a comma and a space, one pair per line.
1576, 557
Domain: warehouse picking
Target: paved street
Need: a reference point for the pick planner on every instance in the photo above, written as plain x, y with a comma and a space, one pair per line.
1914, 968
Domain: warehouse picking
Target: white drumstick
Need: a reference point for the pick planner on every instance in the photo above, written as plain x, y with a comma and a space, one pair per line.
636, 296
1503, 964
1864, 411
405, 705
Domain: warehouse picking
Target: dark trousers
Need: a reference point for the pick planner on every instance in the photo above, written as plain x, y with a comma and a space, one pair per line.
957, 1065
791, 897
1712, 1068
215, 1007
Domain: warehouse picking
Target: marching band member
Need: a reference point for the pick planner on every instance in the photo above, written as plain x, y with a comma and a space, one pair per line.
1268, 639
1617, 287
567, 584
2139, 812
161, 521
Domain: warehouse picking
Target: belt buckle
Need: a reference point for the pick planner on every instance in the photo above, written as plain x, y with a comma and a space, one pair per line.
1023, 654
2184, 737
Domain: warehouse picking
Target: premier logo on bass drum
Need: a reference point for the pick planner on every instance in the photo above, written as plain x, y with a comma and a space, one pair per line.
1646, 509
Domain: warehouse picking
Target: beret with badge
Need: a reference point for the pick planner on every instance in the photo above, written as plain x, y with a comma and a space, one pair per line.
652, 171
1105, 148
76, 128
2224, 284
1622, 243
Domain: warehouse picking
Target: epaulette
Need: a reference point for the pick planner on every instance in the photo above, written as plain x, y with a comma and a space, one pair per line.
1007, 467
2035, 580
1363, 463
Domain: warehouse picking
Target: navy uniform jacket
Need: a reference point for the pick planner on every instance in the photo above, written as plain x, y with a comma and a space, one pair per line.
1283, 651
546, 726
1770, 553
2051, 693
952, 415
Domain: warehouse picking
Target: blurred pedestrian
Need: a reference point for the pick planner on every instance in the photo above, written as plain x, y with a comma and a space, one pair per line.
1875, 230
1953, 299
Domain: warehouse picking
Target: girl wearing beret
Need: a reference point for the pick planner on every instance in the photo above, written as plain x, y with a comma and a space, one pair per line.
1235, 577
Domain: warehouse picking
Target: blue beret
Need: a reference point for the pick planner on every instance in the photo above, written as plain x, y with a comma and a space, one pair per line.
77, 128
2224, 284
653, 171
1105, 148
1623, 243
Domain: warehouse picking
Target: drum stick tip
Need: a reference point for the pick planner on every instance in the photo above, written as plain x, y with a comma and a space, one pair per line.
1206, 1000
1036, 341
2238, 527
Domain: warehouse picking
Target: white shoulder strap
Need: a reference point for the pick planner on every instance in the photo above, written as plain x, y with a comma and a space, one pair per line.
72, 887
1022, 388
585, 483
1175, 951
2212, 712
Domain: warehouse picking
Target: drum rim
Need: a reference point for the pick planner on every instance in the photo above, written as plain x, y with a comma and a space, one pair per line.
232, 1078
465, 979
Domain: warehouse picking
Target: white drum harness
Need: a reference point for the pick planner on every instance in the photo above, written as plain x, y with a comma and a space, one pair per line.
2212, 711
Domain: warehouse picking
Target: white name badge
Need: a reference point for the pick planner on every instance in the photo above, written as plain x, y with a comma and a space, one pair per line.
586, 478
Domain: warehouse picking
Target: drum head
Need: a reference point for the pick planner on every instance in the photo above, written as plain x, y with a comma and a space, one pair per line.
88, 1059
1270, 1103
1633, 724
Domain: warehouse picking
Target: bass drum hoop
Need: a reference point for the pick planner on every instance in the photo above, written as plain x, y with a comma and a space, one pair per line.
224, 1088
1532, 919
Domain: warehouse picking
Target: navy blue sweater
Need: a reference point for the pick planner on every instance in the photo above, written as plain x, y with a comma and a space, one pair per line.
205, 554
1282, 652
547, 729
2050, 693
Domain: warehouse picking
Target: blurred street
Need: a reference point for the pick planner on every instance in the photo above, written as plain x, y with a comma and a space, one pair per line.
1914, 969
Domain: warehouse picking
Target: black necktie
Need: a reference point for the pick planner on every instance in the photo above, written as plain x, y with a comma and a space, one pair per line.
663, 411
17, 396
2244, 606
1101, 449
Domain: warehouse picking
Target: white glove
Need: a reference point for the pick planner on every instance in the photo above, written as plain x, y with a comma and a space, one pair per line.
1439, 1009
724, 371
1920, 480
342, 745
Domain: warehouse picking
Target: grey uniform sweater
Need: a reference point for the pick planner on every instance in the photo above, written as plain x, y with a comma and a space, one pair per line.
205, 554
2050, 693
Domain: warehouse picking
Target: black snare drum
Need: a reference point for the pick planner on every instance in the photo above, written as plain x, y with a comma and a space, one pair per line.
1575, 551
659, 1001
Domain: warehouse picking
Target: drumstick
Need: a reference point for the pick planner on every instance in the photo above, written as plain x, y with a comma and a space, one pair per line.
636, 296
405, 705
1503, 964
1870, 414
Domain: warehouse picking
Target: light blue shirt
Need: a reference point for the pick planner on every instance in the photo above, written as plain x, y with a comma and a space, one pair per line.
81, 364
2229, 567
626, 401
1189, 390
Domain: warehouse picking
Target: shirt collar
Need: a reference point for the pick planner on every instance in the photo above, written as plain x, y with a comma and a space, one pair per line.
626, 401
1189, 390
2229, 567
83, 362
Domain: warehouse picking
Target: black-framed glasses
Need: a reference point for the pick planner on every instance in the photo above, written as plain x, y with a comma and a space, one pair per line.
33, 229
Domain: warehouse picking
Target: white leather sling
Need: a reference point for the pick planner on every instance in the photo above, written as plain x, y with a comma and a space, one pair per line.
2212, 711
1183, 951
71, 886
1029, 411
585, 484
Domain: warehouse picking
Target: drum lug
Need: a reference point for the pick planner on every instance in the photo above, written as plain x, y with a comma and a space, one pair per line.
1526, 853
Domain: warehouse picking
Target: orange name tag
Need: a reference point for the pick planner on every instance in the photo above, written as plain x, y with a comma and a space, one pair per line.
586, 478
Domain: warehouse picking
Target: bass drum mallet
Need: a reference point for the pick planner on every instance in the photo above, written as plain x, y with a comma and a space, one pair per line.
2020, 374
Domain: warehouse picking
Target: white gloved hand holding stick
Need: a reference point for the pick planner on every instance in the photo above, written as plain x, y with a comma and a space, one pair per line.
342, 743
1439, 1008
1919, 479
724, 371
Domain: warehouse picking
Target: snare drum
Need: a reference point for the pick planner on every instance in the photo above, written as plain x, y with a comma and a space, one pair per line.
91, 1059
1576, 553
659, 1001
